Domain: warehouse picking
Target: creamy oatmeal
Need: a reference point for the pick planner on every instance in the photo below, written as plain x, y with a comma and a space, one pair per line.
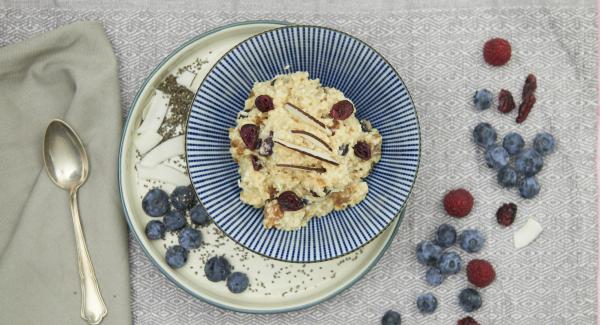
301, 150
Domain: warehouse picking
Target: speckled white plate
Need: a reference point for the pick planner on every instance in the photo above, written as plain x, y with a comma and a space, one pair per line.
275, 286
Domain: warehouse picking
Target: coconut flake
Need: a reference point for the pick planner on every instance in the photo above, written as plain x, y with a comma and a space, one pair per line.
307, 151
146, 141
163, 173
159, 104
170, 148
304, 116
527, 234
186, 79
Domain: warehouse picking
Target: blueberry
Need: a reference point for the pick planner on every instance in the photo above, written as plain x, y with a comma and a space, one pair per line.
155, 229
471, 240
496, 156
483, 99
544, 143
529, 162
428, 253
469, 299
449, 263
174, 220
237, 282
176, 256
155, 203
484, 134
426, 303
183, 197
434, 276
507, 176
445, 236
391, 318
513, 143
199, 215
190, 238
217, 268
529, 187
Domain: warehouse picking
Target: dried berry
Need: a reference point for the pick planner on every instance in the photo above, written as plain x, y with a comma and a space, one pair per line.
525, 108
341, 110
506, 214
289, 201
362, 150
343, 149
528, 98
266, 146
529, 87
467, 321
264, 103
249, 134
256, 164
506, 103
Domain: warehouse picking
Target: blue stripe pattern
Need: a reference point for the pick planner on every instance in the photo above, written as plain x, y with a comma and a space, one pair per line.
340, 61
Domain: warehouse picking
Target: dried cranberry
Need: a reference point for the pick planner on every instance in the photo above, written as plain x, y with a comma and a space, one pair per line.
249, 134
362, 150
256, 164
264, 103
506, 103
506, 214
266, 147
341, 110
529, 87
289, 201
467, 321
528, 98
525, 108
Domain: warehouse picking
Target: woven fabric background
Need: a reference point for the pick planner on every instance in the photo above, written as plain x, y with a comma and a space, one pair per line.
438, 54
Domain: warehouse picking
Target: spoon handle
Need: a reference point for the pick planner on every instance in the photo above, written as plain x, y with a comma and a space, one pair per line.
93, 308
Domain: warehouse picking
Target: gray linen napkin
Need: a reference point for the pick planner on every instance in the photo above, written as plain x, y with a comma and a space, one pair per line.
69, 73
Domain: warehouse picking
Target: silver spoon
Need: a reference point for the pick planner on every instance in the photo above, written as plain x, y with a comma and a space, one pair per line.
67, 165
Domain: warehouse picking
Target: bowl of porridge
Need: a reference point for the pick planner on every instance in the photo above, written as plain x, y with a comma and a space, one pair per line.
303, 144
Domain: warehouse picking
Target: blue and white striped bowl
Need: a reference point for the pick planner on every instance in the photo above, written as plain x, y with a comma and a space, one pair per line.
340, 61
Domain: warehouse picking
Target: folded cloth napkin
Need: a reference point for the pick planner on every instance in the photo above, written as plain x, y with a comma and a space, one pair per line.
71, 74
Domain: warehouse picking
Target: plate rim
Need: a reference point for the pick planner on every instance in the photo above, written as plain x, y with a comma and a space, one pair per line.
120, 175
412, 186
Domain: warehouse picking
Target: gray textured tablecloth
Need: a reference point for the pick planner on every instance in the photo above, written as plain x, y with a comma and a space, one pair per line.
437, 50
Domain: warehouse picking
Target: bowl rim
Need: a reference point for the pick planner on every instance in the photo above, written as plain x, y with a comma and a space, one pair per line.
400, 211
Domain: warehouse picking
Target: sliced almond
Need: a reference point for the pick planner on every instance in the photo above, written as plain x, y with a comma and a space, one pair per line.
319, 170
304, 116
307, 151
312, 138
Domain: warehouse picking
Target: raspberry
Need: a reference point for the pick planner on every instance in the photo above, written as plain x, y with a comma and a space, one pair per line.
467, 321
506, 214
458, 203
480, 273
496, 51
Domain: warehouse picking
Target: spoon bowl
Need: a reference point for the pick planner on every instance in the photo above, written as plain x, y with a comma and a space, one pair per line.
64, 156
